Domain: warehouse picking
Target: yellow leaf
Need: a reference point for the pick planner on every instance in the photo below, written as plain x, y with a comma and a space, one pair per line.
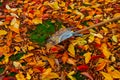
40, 63
52, 75
101, 66
117, 14
17, 48
6, 59
37, 21
30, 48
62, 4
105, 50
70, 75
114, 38
71, 50
106, 75
28, 77
115, 74
26, 56
91, 38
111, 68
87, 57
48, 75
54, 5
52, 62
20, 76
3, 32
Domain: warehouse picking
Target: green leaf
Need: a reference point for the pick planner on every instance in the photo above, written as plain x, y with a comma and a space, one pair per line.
2, 57
78, 76
12, 74
0, 3
85, 23
2, 70
16, 56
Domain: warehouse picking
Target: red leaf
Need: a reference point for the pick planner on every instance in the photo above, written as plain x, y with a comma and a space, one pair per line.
82, 67
97, 57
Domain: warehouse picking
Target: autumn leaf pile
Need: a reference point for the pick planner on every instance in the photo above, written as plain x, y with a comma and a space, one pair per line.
26, 24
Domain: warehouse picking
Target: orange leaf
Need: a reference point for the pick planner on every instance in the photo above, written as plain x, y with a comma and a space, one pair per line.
105, 50
65, 57
101, 66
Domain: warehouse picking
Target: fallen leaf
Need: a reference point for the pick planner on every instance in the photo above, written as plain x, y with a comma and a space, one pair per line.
106, 75
26, 56
70, 75
3, 32
54, 5
20, 76
101, 65
87, 57
71, 61
65, 57
52, 62
114, 38
71, 50
30, 48
28, 77
17, 64
91, 38
82, 67
87, 75
48, 74
105, 50
37, 21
